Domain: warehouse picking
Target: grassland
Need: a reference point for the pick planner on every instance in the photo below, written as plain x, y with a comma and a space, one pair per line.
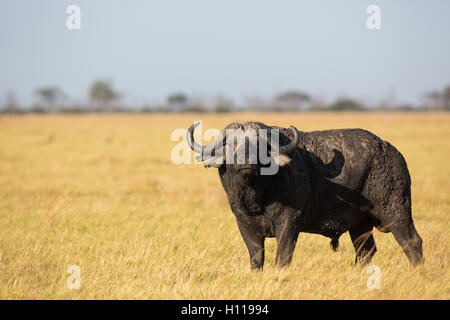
101, 192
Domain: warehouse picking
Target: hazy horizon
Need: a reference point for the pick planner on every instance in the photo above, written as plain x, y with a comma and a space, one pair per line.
237, 49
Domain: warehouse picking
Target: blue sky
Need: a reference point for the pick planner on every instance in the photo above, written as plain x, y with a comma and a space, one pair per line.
235, 48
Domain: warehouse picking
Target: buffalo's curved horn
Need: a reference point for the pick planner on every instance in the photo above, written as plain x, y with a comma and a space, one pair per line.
190, 139
287, 149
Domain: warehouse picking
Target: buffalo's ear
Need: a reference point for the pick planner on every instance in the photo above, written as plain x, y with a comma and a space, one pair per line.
215, 162
281, 159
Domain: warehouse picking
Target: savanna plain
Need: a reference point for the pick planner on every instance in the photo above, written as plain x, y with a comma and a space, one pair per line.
101, 192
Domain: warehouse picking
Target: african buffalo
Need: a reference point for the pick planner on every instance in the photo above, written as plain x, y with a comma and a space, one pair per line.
327, 182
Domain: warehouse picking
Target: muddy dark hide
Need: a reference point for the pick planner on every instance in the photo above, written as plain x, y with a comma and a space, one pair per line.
337, 181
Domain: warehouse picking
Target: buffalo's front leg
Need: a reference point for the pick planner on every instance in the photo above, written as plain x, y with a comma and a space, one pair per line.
286, 235
255, 246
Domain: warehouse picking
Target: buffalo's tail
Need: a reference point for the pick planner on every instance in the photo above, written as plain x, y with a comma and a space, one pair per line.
334, 243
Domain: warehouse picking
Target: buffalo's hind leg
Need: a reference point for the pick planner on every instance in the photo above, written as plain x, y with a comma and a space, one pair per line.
388, 188
407, 237
398, 220
363, 242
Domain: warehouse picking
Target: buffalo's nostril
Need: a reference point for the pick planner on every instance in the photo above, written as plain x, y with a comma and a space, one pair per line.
246, 171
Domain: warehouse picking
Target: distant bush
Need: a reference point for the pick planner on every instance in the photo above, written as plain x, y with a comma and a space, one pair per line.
345, 104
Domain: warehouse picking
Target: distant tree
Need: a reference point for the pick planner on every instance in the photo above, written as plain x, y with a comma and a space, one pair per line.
256, 103
292, 101
345, 104
102, 93
446, 98
438, 100
196, 104
49, 97
222, 104
12, 105
405, 107
433, 100
177, 101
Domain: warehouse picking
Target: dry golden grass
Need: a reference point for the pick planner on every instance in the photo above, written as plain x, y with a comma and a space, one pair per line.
101, 192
